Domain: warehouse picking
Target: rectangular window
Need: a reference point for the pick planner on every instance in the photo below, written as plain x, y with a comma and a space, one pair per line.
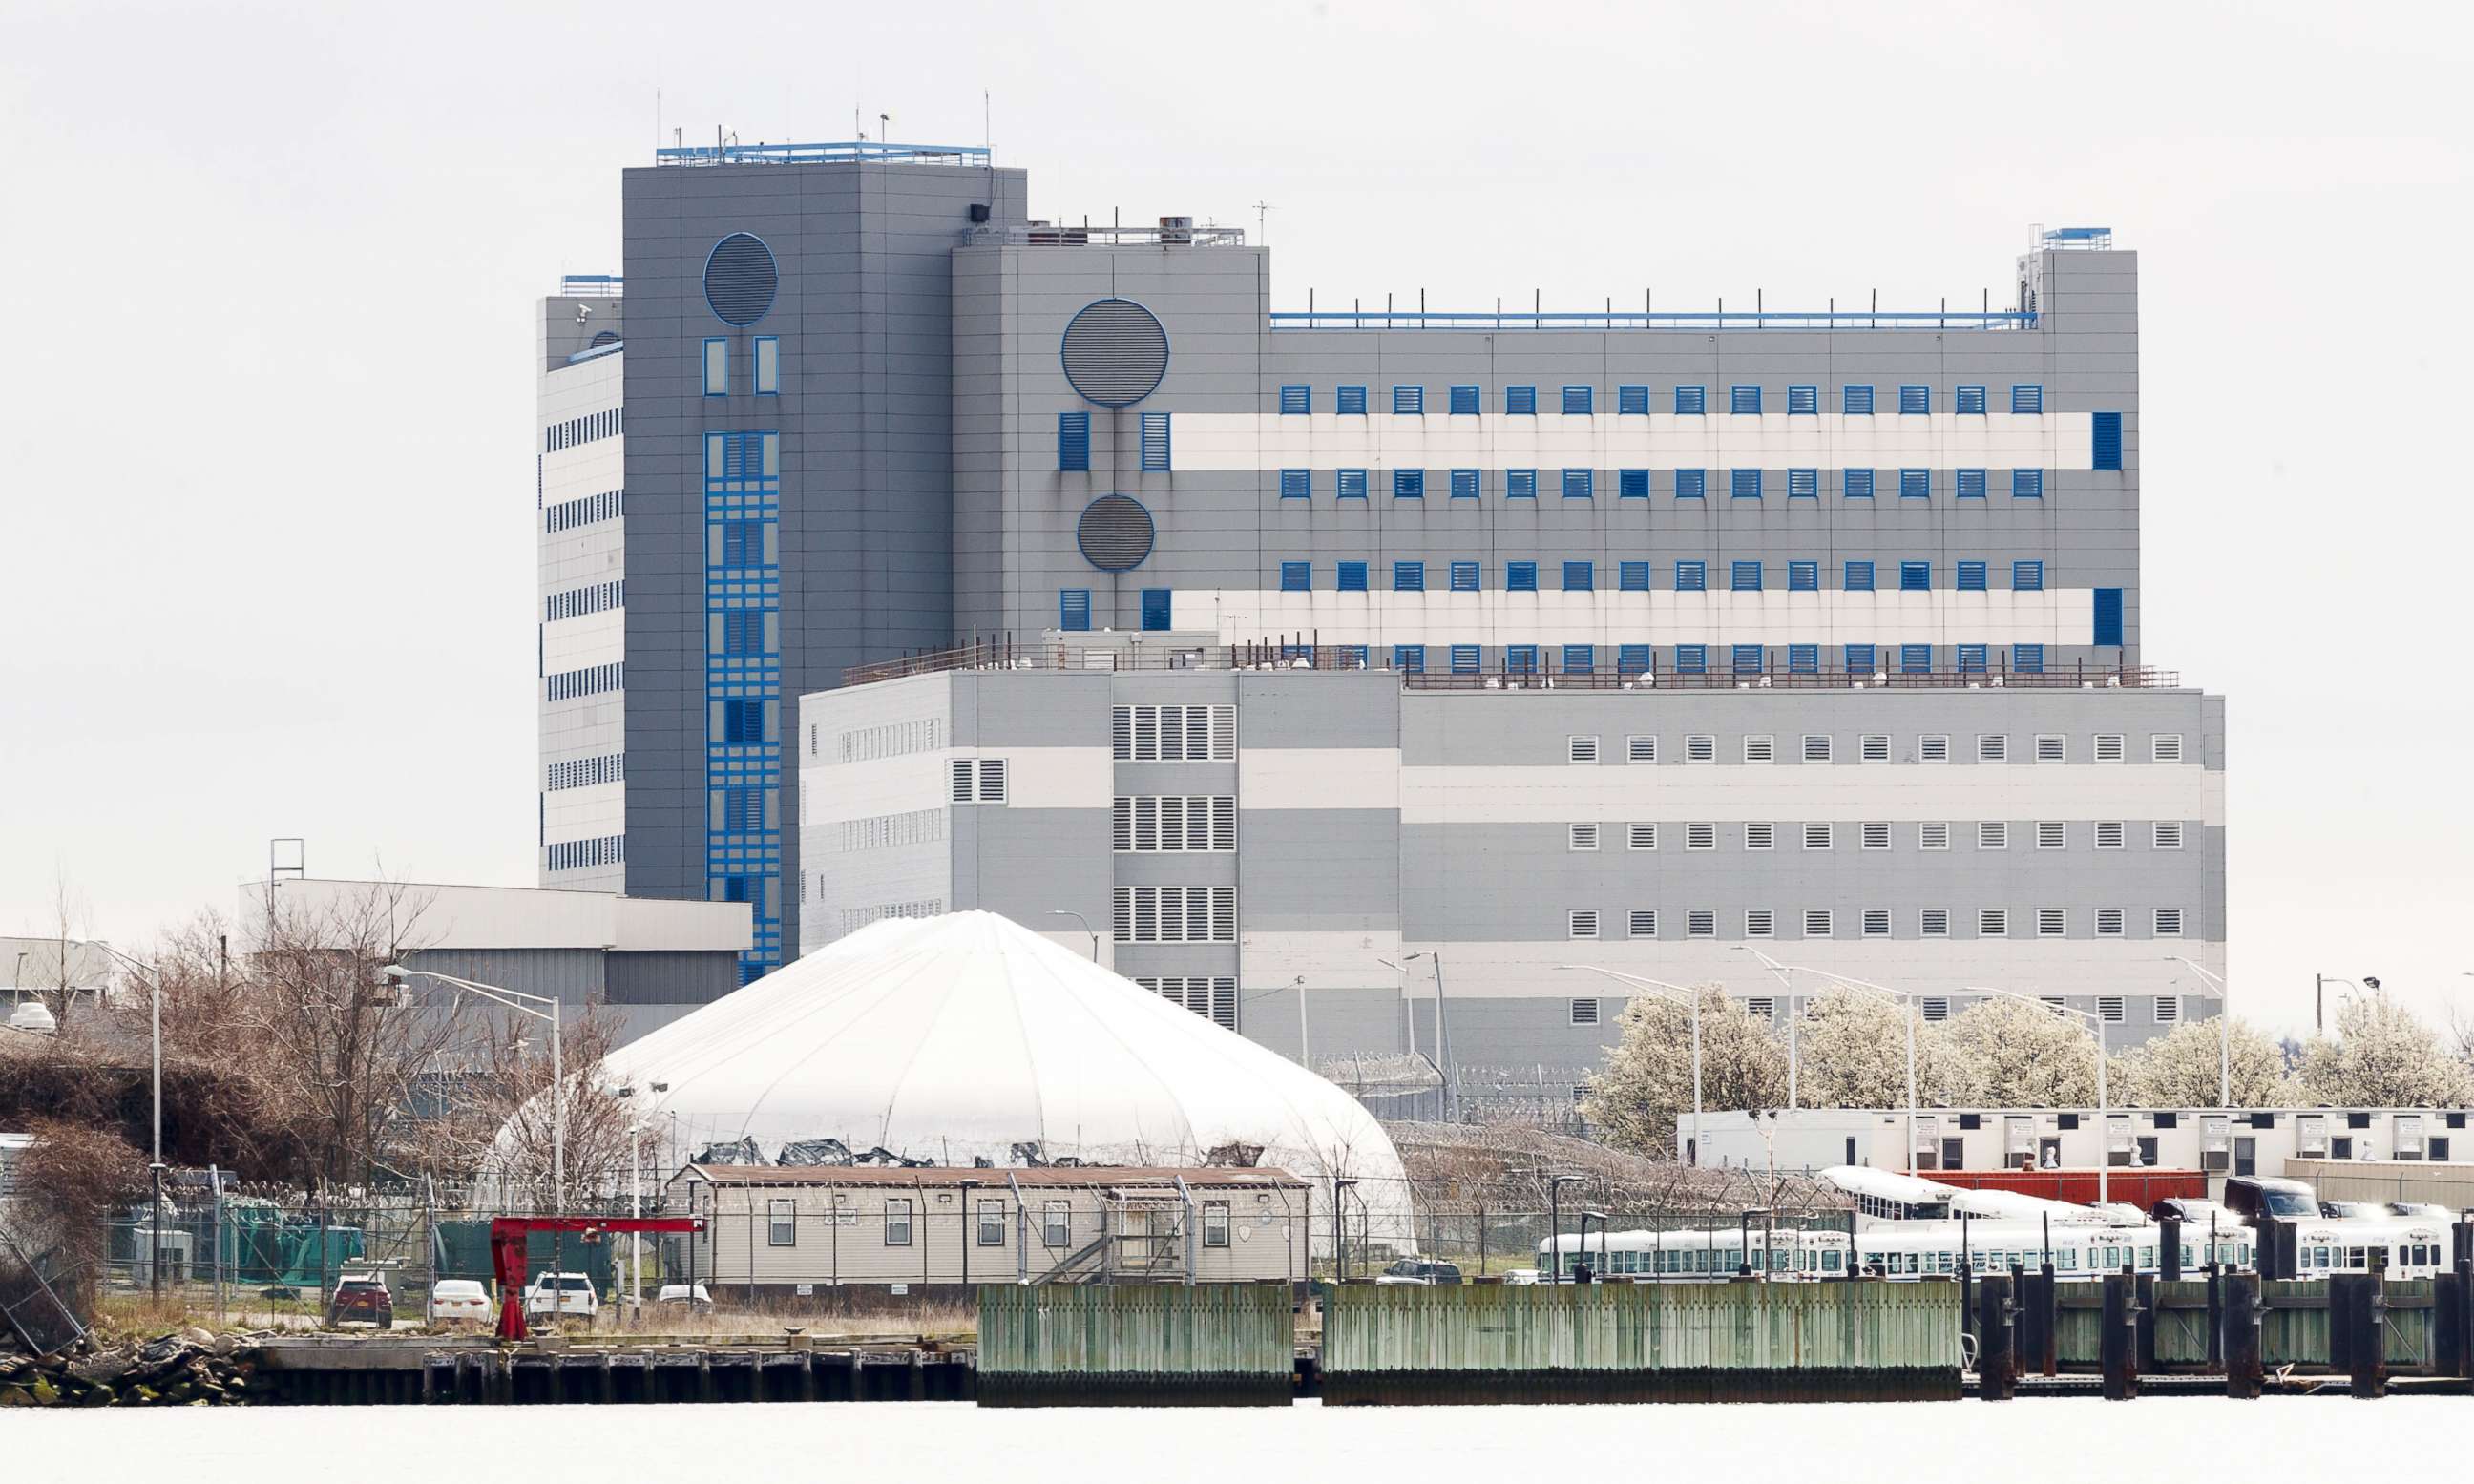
1803, 484
2052, 748
1408, 577
1631, 483
1631, 659
1856, 401
2165, 835
1915, 484
1915, 399
1760, 749
2027, 576
2108, 617
1803, 576
1215, 1222
1577, 400
1856, 483
1876, 922
1641, 836
1971, 577
1056, 1221
1915, 577
2052, 835
1760, 922
1580, 749
1701, 922
1804, 659
1874, 835
1632, 576
1351, 400
2026, 398
1408, 484
781, 1223
1297, 576
1350, 483
1969, 484
2107, 448
2108, 835
2168, 922
1464, 577
1631, 401
1744, 483
1993, 923
1932, 836
897, 1222
2051, 922
1640, 749
1692, 483
1520, 577
768, 365
1408, 400
990, 1223
1464, 484
1074, 443
1933, 922
1074, 610
1296, 400
1640, 923
1520, 484
717, 367
1465, 659
1582, 837
1156, 443
1744, 399
2028, 659
1692, 659
2027, 484
1803, 400
1859, 578
1700, 837
1583, 924
1691, 576
1970, 401
2108, 747
1816, 922
1933, 748
1520, 400
1157, 608
1993, 835
1297, 484
1817, 836
1744, 578
2165, 747
1520, 659
1353, 576
1874, 748
1691, 401
1580, 576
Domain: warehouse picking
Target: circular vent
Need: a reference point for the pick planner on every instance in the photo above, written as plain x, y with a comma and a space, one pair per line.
739, 280
1115, 353
605, 338
1114, 533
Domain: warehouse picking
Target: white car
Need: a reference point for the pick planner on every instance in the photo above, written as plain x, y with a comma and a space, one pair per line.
562, 1293
690, 1297
459, 1301
1520, 1278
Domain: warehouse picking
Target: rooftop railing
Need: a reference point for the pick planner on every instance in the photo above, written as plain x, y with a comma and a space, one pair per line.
1126, 654
591, 285
838, 153
1664, 319
1042, 235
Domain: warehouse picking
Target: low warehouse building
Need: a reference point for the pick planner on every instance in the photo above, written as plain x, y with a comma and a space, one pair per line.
777, 1232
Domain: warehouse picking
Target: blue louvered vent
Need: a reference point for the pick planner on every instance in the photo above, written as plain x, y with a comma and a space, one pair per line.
1156, 442
2108, 616
2108, 440
739, 280
1115, 353
1073, 441
1114, 533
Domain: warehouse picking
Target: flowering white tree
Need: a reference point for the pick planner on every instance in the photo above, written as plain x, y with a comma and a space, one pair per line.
2180, 1069
1852, 1051
2012, 1054
1648, 1077
2382, 1056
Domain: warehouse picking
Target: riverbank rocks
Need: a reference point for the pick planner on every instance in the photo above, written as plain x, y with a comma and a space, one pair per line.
190, 1368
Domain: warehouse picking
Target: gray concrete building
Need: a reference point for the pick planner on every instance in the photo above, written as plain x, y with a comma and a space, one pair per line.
1860, 586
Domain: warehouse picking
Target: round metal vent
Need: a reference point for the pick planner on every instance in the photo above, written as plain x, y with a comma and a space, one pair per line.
1115, 353
604, 337
739, 280
1114, 533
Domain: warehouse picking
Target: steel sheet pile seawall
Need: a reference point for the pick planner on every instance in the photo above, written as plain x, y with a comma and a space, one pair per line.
1222, 1344
1647, 1342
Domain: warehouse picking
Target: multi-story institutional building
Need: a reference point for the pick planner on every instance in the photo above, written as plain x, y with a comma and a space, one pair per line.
1510, 638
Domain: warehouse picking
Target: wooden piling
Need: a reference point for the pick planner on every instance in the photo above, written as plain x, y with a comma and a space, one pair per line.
2120, 1354
1996, 1356
2240, 1344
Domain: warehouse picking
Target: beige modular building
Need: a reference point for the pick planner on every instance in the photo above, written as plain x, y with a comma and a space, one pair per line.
777, 1232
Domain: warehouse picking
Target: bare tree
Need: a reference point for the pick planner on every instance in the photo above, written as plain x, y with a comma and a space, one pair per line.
501, 1119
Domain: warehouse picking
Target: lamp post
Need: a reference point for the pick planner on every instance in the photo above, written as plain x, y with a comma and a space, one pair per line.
1443, 1025
522, 1004
1555, 1184
1787, 983
1692, 1001
2225, 1026
1908, 999
154, 1165
1339, 1232
2320, 983
2096, 1028
1060, 912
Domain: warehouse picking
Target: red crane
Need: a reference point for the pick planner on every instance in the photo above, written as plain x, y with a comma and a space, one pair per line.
508, 1234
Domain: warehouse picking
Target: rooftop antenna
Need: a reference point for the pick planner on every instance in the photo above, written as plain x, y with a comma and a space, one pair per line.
1262, 224
884, 127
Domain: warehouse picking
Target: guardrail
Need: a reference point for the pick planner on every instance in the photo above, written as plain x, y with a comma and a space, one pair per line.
1664, 319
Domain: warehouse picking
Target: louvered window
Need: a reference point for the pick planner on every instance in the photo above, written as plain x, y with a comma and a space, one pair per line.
1465, 659
2108, 835
1580, 484
1817, 836
1176, 914
1691, 400
1352, 576
1408, 577
1350, 484
1631, 483
1969, 484
1915, 659
1700, 837
1582, 924
2027, 484
1759, 834
1816, 749
1760, 922
1641, 835
2165, 747
1874, 748
2109, 1010
2027, 576
1408, 484
1580, 576
1804, 659
1933, 922
1073, 440
1934, 748
2168, 1012
2107, 440
1915, 577
1932, 836
1631, 401
1803, 484
1692, 659
1993, 835
1856, 483
1816, 922
2052, 835
1745, 577
1691, 576
1585, 1012
2167, 833
1464, 577
1874, 835
1520, 400
1297, 576
1640, 749
1520, 484
2052, 921
1744, 399
1633, 659
1970, 401
1856, 400
2028, 659
1701, 922
1642, 922
1744, 483
1464, 484
2108, 747
1520, 577
1583, 836
1175, 734
1156, 442
1074, 609
1876, 922
1351, 401
1759, 748
1915, 399
1180, 823
1993, 923
1465, 401
2052, 749
1632, 576
1915, 484
1701, 750
1408, 400
1296, 399
1577, 400
1297, 484
1859, 578
1971, 659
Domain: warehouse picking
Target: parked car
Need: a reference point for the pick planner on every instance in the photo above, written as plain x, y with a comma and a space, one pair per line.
562, 1293
1419, 1272
459, 1301
1521, 1278
685, 1297
361, 1299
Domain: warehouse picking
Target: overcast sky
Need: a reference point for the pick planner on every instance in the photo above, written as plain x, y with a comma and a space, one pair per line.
268, 273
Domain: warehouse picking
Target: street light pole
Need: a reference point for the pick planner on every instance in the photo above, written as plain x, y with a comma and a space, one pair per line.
520, 1003
155, 1019
2225, 1027
1787, 983
1555, 1184
1059, 912
1907, 1000
1692, 1000
2103, 1106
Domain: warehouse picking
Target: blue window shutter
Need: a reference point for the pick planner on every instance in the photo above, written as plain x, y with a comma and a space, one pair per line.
1520, 400
1580, 659
1856, 400
1408, 484
1915, 577
1746, 400
2108, 440
1859, 659
2028, 399
1631, 401
1578, 401
2027, 484
1297, 576
1351, 400
1464, 577
1803, 576
1408, 577
1520, 577
1155, 609
1915, 659
1858, 483
1409, 659
1692, 659
1915, 484
1631, 659
1353, 656
1580, 576
1691, 577
1970, 483
1803, 484
1074, 610
2028, 659
1073, 440
1352, 484
1465, 659
1632, 576
1971, 659
1692, 483
1154, 442
2027, 576
1804, 659
1915, 399
1521, 658
1353, 576
1631, 483
1971, 577
1464, 484
1465, 401
1580, 483
1296, 399
1971, 401
2108, 616
1859, 577
1691, 400
1408, 400
1296, 483
1744, 483
1749, 659
1803, 400
1745, 577
1520, 484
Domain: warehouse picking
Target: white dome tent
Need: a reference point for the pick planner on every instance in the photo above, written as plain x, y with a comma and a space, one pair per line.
967, 1035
